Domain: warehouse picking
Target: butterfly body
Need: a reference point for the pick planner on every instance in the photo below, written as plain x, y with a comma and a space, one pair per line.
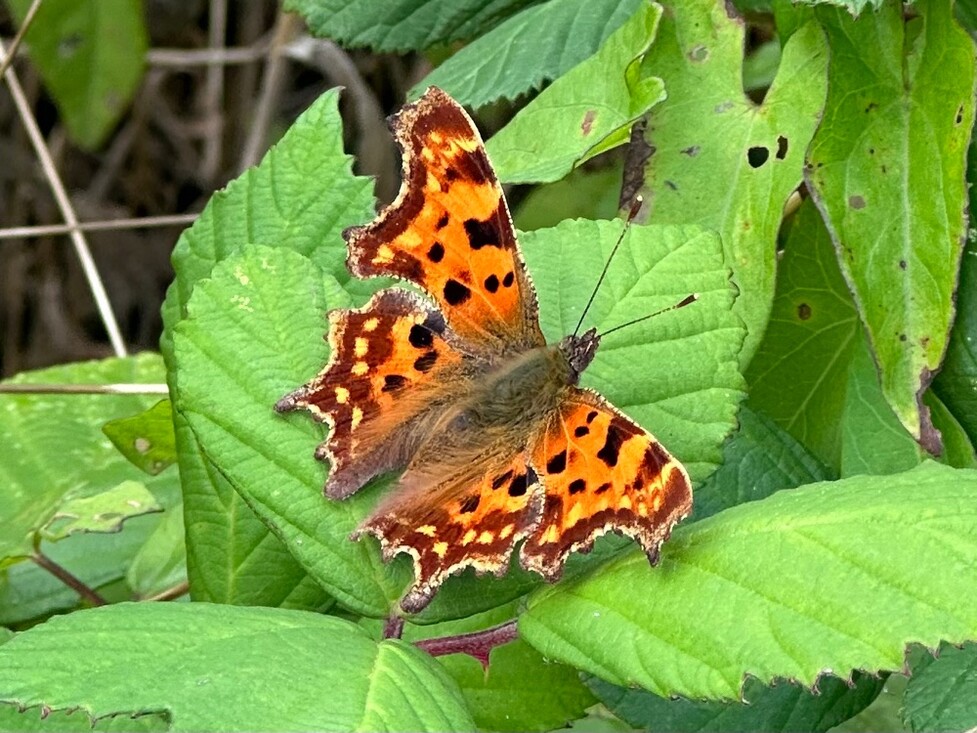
459, 390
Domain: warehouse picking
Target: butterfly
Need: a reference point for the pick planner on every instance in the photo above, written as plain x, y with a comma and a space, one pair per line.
458, 389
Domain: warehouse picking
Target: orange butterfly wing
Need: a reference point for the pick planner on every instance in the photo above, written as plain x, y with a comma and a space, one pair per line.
449, 231
601, 472
472, 512
389, 365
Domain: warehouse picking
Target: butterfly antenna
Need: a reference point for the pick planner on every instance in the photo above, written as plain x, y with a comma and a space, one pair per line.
681, 304
635, 208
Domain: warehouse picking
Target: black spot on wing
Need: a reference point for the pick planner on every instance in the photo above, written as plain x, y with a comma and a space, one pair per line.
424, 362
580, 431
518, 485
470, 504
393, 382
420, 337
436, 253
492, 283
455, 293
482, 233
612, 444
508, 279
499, 480
578, 485
557, 463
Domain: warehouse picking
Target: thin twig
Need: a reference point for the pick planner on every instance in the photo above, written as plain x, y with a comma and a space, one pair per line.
172, 593
67, 578
478, 644
214, 93
15, 44
286, 27
120, 389
192, 57
67, 211
146, 222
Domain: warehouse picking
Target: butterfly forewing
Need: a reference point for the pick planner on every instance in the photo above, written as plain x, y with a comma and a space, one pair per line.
449, 230
600, 472
389, 367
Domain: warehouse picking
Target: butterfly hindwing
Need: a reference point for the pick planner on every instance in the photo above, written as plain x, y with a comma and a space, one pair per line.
600, 472
449, 230
470, 514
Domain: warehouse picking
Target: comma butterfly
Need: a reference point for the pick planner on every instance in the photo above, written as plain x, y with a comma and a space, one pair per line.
496, 442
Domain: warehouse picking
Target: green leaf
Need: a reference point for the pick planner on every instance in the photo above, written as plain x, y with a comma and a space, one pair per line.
29, 593
161, 562
758, 460
270, 305
895, 129
873, 440
956, 383
238, 669
883, 714
958, 451
501, 65
300, 197
853, 7
101, 512
55, 452
402, 25
942, 690
583, 194
75, 721
146, 439
782, 707
717, 158
675, 374
90, 55
520, 691
586, 111
832, 576
805, 355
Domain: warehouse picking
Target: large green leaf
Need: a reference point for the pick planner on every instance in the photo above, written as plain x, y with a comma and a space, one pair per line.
832, 577
717, 158
300, 197
586, 111
895, 131
55, 454
783, 707
245, 343
806, 353
225, 668
90, 56
403, 25
942, 691
759, 459
502, 64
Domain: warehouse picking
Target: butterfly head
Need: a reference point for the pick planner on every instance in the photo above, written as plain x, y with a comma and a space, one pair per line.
579, 351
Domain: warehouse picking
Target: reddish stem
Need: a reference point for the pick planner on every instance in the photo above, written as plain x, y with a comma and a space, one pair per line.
68, 579
477, 644
394, 627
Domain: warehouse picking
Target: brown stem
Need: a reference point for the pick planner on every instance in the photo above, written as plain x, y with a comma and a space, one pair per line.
477, 644
394, 627
180, 589
68, 579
